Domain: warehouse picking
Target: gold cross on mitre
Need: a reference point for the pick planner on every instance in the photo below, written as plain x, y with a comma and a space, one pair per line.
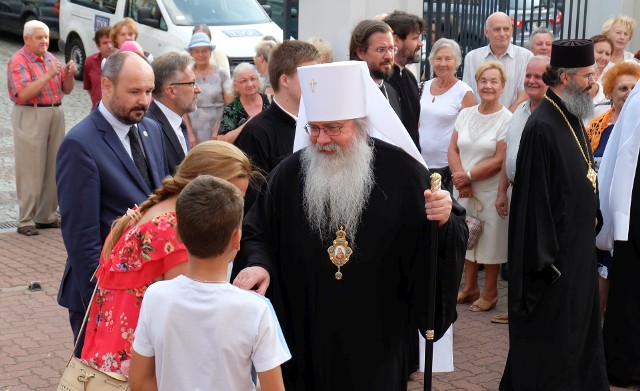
313, 83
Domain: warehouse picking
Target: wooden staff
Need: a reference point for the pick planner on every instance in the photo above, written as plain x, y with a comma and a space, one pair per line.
431, 298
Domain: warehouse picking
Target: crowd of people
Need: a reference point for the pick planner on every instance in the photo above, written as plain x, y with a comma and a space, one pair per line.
311, 177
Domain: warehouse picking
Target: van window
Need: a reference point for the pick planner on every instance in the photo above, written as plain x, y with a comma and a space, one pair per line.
101, 5
146, 12
215, 12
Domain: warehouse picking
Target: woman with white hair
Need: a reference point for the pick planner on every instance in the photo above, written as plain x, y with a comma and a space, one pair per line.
441, 100
249, 102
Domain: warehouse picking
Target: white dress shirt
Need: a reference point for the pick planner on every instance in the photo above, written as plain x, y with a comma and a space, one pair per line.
514, 134
121, 129
174, 120
514, 61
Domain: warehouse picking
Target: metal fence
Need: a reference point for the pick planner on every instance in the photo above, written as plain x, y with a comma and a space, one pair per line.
464, 20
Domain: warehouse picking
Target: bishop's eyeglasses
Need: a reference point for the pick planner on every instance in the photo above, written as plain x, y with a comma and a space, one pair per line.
329, 130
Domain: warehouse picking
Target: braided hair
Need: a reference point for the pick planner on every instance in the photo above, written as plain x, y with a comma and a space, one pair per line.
216, 158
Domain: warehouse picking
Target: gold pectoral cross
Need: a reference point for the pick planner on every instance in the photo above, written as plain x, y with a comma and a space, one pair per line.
592, 177
340, 251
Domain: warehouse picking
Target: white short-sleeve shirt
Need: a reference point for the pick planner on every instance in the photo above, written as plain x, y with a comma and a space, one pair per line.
206, 336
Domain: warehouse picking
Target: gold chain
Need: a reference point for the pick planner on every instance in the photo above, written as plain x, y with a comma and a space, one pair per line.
591, 173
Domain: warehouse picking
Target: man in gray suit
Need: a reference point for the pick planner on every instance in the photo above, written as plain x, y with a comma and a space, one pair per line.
174, 96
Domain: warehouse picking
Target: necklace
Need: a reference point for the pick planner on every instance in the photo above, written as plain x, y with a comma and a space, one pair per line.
208, 281
340, 251
591, 173
441, 89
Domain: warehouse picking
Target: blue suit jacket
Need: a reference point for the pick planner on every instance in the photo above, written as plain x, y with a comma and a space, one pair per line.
97, 181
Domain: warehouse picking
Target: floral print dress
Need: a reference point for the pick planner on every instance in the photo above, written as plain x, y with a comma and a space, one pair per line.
142, 256
235, 115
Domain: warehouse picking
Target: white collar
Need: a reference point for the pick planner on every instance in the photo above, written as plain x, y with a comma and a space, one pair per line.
274, 100
510, 51
174, 119
121, 129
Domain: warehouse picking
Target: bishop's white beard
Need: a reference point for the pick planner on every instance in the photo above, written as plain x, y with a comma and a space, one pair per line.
337, 187
578, 101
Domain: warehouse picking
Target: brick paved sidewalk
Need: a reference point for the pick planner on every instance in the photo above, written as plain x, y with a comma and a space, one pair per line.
35, 338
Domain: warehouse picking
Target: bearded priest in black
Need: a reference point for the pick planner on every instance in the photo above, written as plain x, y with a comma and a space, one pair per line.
340, 238
555, 340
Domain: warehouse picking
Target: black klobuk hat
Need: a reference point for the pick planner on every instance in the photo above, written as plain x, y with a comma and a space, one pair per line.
572, 53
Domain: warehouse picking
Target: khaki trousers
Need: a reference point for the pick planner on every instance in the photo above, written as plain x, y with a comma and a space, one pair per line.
37, 135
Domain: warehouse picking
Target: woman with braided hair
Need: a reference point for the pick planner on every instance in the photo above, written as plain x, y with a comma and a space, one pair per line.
143, 248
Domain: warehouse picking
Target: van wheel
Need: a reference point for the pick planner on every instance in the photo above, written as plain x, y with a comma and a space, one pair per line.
75, 52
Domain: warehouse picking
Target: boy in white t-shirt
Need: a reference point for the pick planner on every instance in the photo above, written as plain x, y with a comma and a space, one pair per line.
198, 332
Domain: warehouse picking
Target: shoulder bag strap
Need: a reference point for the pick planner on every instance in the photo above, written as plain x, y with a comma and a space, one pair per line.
86, 316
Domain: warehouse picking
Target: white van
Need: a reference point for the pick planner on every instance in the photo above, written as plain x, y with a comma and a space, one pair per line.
166, 25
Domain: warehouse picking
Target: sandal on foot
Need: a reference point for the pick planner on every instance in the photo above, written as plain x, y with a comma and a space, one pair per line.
465, 297
482, 305
500, 318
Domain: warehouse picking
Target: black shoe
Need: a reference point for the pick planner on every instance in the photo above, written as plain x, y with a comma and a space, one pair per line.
504, 272
28, 230
55, 224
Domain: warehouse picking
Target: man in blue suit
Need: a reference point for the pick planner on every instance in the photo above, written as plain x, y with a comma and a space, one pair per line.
174, 95
109, 161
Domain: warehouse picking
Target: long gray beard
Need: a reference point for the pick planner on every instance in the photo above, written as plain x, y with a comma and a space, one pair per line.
337, 187
578, 101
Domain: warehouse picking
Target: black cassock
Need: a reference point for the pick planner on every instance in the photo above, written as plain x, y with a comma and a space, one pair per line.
266, 139
555, 340
406, 86
352, 334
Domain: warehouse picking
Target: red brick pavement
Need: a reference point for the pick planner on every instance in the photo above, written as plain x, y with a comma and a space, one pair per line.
35, 339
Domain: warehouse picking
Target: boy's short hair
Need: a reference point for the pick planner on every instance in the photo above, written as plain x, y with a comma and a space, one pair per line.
208, 211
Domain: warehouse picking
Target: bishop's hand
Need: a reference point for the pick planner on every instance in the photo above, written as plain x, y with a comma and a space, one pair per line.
253, 278
438, 206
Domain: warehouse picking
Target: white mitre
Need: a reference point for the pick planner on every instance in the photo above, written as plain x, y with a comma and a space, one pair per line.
345, 90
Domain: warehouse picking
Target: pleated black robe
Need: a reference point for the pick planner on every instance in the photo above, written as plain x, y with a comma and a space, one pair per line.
351, 334
555, 340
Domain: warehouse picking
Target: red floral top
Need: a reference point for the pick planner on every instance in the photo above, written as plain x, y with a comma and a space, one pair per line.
142, 255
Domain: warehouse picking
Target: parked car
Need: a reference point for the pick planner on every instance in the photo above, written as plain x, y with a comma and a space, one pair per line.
527, 15
15, 13
166, 25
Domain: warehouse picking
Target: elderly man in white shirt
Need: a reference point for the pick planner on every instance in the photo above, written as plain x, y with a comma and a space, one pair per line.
498, 30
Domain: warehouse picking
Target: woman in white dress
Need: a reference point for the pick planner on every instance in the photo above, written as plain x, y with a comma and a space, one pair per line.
441, 100
476, 153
